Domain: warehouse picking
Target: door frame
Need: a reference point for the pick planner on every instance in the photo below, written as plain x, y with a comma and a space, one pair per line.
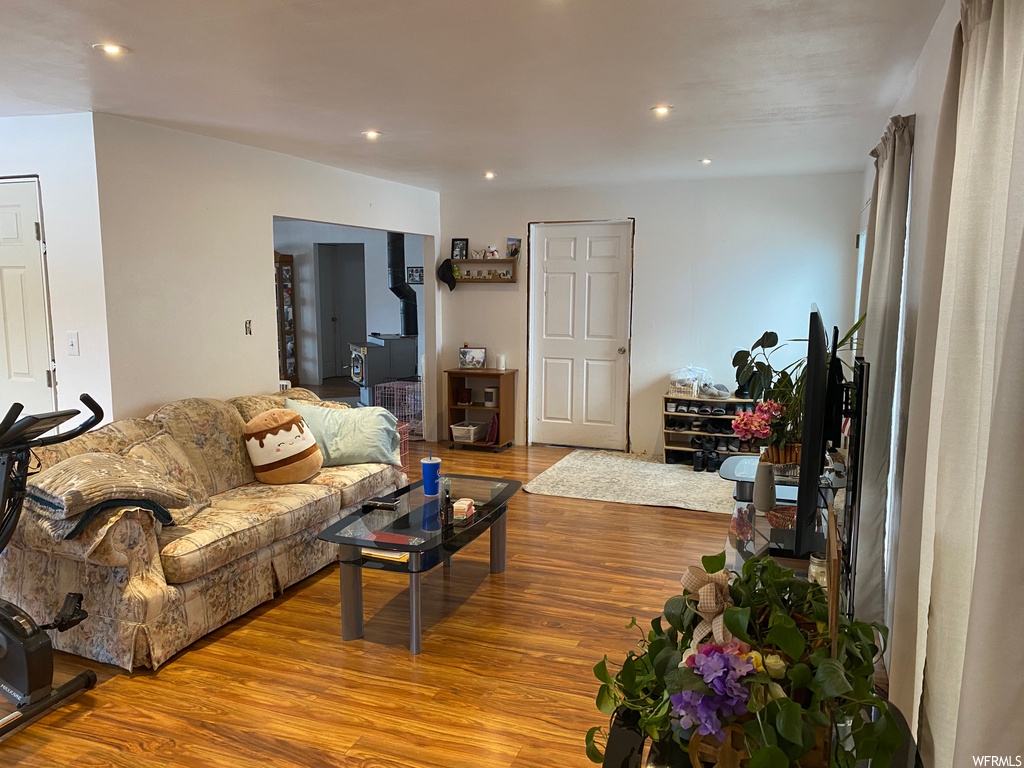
631, 220
47, 307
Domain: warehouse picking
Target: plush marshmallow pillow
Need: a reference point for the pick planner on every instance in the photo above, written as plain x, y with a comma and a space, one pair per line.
281, 447
352, 435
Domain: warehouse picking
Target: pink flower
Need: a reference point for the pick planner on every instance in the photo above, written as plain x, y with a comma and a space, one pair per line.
737, 647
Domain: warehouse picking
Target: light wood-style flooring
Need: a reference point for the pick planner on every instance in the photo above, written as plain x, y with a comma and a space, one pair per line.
505, 678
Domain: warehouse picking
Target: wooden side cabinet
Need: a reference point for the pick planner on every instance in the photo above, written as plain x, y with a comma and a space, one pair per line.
287, 322
476, 411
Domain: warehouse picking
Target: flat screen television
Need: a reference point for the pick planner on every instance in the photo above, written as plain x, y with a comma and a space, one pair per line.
807, 535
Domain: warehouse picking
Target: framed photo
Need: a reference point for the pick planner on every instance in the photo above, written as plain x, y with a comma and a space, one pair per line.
414, 275
472, 357
513, 247
460, 247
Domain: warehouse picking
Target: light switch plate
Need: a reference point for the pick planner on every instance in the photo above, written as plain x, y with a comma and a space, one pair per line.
73, 344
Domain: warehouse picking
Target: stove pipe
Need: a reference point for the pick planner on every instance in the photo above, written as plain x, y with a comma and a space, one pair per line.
396, 281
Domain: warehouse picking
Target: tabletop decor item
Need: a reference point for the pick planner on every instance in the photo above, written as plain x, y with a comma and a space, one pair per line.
743, 669
460, 247
472, 357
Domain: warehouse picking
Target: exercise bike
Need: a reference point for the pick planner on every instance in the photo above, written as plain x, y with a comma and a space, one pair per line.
26, 654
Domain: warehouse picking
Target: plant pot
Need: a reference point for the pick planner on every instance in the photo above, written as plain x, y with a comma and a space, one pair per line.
625, 740
707, 751
782, 454
665, 753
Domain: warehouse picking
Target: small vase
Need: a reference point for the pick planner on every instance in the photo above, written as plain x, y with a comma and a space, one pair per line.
764, 487
665, 753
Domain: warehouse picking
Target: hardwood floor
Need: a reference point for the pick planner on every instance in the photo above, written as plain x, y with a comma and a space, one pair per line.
335, 387
505, 678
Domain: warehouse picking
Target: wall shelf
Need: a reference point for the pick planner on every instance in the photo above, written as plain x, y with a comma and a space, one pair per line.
486, 270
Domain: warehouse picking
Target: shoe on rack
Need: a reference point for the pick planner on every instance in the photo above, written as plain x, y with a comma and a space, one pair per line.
730, 409
685, 424
745, 447
723, 445
726, 428
697, 425
712, 427
693, 408
734, 445
704, 410
698, 461
696, 442
718, 411
709, 443
670, 406
714, 461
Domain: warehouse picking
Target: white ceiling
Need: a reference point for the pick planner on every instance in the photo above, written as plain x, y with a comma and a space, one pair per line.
544, 92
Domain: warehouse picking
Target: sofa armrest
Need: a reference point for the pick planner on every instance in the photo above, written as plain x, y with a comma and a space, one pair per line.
118, 537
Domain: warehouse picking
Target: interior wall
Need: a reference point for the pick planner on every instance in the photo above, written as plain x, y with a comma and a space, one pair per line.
187, 249
716, 263
382, 306
59, 150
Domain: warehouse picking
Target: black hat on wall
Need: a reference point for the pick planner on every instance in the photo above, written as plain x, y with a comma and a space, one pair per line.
446, 275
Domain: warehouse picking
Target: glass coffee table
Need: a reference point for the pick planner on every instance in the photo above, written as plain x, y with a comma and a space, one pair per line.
416, 539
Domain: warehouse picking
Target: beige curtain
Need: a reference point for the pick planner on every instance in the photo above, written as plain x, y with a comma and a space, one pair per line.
881, 296
959, 583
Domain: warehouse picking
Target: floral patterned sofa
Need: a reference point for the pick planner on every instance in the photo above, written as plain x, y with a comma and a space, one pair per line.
152, 590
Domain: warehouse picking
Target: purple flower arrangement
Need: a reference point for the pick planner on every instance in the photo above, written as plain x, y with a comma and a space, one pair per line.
721, 670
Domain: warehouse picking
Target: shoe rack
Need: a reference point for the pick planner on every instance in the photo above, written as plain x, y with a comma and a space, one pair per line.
678, 449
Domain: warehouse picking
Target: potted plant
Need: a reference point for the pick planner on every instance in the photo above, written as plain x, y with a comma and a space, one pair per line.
745, 662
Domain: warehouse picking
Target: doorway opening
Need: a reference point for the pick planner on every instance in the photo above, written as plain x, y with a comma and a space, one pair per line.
580, 306
26, 354
358, 308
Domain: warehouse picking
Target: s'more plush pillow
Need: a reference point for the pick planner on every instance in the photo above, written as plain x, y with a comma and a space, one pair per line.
281, 447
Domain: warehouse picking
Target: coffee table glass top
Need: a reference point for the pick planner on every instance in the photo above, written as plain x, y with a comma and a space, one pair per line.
416, 525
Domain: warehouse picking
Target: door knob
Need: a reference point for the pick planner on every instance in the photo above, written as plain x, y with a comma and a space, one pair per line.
622, 350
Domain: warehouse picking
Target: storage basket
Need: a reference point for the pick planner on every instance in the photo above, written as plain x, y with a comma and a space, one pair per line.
468, 432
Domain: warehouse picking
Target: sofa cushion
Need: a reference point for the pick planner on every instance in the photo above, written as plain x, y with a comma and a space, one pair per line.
210, 434
251, 406
110, 438
239, 522
352, 436
358, 482
161, 451
281, 448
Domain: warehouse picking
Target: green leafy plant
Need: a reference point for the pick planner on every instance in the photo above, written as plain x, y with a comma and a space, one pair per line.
781, 683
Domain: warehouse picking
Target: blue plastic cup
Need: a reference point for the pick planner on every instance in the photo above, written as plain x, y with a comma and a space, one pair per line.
431, 474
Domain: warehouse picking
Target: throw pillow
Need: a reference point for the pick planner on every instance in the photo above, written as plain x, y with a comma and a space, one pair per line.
352, 435
162, 452
282, 448
84, 485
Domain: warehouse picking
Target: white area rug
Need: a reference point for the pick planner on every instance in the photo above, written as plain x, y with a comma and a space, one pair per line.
616, 477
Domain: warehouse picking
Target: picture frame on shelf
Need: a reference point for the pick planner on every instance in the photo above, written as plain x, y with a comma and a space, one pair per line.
460, 247
513, 248
472, 357
414, 275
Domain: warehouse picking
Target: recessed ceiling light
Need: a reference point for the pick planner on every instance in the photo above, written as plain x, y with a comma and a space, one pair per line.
706, 161
372, 135
489, 175
112, 49
662, 109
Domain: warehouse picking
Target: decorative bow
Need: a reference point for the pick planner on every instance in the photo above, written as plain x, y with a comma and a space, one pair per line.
711, 592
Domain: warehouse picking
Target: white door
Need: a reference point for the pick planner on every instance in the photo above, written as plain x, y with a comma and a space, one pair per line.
25, 348
580, 289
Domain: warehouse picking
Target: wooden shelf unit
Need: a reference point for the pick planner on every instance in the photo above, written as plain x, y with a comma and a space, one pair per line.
476, 379
468, 269
667, 414
287, 318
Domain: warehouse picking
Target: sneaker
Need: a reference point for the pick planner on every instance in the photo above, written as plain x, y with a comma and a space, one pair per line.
696, 442
697, 425
745, 447
723, 445
734, 445
698, 461
685, 424
726, 428
730, 409
709, 443
714, 461
712, 427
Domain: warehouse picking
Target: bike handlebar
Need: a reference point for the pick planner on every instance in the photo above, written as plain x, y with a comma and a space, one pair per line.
94, 418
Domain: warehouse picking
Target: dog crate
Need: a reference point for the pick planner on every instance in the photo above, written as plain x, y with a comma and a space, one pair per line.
405, 400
